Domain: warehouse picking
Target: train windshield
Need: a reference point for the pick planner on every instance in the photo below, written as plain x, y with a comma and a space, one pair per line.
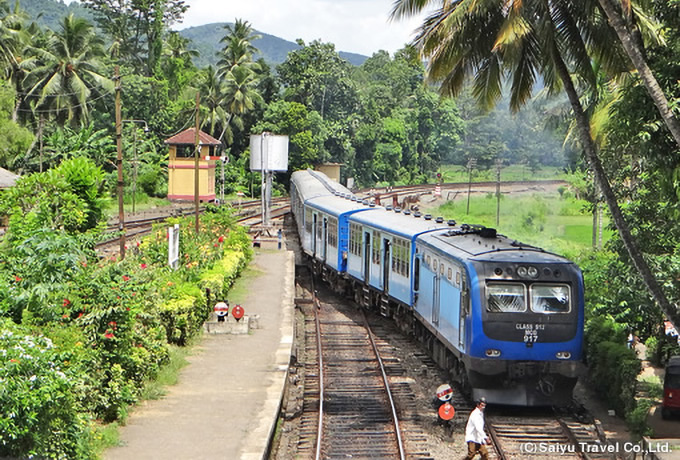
550, 298
505, 298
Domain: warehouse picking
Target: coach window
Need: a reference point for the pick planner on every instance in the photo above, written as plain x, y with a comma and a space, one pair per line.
333, 232
375, 250
355, 239
308, 220
505, 298
550, 298
450, 274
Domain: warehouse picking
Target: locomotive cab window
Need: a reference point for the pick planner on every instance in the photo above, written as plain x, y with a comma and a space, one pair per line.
505, 298
550, 298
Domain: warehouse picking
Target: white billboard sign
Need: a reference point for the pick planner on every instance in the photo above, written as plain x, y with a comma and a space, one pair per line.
268, 152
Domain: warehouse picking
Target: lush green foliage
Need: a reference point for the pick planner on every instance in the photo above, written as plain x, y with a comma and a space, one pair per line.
81, 336
613, 367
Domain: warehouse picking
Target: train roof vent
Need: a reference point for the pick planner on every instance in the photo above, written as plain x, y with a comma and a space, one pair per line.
427, 217
388, 207
407, 212
452, 223
355, 199
397, 209
439, 220
365, 202
372, 204
417, 214
487, 232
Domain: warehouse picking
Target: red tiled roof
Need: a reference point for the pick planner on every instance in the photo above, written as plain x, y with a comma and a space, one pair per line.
188, 137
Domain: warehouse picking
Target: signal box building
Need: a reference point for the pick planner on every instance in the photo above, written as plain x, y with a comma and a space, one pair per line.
182, 166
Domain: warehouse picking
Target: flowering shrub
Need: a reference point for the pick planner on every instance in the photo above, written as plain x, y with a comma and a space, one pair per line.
109, 323
38, 412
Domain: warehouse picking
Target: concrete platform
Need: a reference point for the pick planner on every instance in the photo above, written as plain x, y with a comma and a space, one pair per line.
226, 402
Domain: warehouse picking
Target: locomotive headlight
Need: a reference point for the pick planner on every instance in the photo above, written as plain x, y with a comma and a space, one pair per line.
563, 355
491, 353
532, 272
522, 271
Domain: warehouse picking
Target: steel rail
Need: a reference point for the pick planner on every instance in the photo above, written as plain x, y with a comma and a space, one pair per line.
319, 432
395, 417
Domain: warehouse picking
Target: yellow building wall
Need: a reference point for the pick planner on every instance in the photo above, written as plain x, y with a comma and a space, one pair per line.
331, 170
181, 173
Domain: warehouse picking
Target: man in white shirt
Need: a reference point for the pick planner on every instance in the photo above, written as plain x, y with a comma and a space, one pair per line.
475, 436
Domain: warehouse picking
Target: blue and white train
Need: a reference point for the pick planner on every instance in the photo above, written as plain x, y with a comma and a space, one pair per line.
505, 318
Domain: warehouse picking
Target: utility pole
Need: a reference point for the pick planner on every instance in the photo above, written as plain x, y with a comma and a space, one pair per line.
119, 164
472, 162
499, 163
196, 157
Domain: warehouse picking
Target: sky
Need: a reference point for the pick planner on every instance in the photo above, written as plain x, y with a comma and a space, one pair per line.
356, 26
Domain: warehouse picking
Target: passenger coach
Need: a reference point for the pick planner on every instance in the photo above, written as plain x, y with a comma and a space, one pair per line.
505, 318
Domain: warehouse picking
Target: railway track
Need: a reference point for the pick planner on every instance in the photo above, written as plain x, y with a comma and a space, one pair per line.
355, 395
544, 436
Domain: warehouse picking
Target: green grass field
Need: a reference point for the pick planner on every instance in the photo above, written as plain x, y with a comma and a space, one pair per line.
456, 173
557, 224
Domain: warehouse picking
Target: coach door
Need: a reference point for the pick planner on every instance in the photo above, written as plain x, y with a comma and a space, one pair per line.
387, 257
314, 235
436, 289
464, 309
324, 239
367, 257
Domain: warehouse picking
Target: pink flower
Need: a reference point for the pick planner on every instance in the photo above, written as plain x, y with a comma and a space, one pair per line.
143, 266
126, 278
109, 335
16, 278
67, 302
220, 239
80, 314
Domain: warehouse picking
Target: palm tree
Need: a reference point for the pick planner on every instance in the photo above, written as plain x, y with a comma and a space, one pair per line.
238, 49
213, 97
64, 74
627, 31
177, 47
523, 39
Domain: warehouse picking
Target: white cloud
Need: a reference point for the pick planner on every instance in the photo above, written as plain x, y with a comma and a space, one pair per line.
358, 26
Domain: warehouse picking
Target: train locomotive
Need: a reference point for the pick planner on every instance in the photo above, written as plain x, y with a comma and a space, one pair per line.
504, 318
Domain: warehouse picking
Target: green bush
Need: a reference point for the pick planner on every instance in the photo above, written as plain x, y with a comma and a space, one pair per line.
183, 316
613, 367
221, 277
39, 414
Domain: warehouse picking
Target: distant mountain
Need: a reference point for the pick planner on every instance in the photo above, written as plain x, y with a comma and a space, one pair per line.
49, 13
206, 40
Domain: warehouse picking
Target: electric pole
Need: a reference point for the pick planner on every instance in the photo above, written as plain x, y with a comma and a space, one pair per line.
119, 164
196, 157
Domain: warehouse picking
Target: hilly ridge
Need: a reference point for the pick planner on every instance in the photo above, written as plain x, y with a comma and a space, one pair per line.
205, 38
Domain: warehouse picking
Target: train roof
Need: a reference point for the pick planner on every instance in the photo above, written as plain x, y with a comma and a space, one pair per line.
311, 184
398, 223
336, 206
484, 244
